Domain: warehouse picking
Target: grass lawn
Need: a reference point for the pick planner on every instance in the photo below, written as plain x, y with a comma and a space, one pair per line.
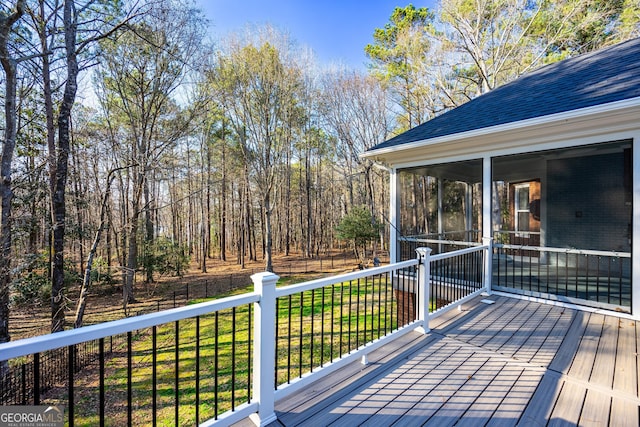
313, 328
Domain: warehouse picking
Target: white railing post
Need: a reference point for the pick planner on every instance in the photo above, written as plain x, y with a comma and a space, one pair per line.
424, 280
488, 263
264, 338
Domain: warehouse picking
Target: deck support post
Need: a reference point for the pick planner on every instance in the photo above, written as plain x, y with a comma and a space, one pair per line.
423, 294
264, 337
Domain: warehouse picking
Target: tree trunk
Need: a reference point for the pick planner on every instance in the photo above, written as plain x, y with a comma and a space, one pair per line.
6, 192
58, 201
223, 201
309, 225
148, 230
268, 233
86, 282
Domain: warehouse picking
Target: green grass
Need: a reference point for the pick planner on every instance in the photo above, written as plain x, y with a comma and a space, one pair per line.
337, 329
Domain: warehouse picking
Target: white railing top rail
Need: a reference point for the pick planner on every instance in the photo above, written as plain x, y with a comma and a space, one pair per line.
426, 235
458, 252
39, 344
439, 241
535, 233
333, 280
564, 250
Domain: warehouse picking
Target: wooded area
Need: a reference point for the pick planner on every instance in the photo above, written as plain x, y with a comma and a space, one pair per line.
133, 144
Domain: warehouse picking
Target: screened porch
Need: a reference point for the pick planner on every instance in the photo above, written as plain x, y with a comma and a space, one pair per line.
561, 220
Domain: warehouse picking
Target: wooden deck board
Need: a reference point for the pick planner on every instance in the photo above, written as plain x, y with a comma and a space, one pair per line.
522, 335
464, 328
388, 390
510, 363
517, 399
583, 362
568, 406
570, 343
492, 326
299, 408
556, 328
625, 377
624, 414
605, 361
596, 409
542, 401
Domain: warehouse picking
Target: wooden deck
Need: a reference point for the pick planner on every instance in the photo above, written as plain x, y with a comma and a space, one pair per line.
509, 363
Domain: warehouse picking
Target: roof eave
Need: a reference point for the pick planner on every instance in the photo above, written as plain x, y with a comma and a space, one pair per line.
524, 129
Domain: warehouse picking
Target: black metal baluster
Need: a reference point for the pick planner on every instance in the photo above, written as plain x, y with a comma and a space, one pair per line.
358, 314
587, 285
154, 375
249, 339
36, 379
349, 318
609, 280
566, 273
364, 317
598, 277
275, 373
333, 293
197, 370
341, 317
289, 342
620, 282
301, 335
215, 364
557, 272
375, 308
101, 401
392, 303
577, 275
233, 358
379, 305
312, 331
322, 329
23, 382
70, 399
129, 383
176, 379
388, 278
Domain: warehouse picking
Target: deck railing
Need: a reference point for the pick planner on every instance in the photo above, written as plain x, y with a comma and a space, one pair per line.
446, 243
217, 362
585, 277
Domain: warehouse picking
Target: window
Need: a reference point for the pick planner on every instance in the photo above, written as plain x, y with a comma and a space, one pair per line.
521, 208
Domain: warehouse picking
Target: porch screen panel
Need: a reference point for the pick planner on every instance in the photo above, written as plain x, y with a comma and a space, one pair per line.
439, 206
562, 222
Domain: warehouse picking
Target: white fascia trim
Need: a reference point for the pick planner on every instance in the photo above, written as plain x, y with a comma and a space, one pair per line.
610, 107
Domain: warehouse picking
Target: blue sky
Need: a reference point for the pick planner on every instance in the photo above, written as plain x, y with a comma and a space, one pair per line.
336, 30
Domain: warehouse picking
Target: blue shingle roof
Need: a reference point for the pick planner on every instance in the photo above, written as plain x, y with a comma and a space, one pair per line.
603, 76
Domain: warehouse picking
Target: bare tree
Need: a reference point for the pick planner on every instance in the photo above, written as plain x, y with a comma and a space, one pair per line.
258, 84
138, 76
9, 65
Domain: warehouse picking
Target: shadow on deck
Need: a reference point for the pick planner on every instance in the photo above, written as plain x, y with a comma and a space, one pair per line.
509, 363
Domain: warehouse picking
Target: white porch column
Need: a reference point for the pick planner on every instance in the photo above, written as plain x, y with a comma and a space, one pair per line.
440, 214
424, 281
393, 216
264, 350
635, 239
487, 227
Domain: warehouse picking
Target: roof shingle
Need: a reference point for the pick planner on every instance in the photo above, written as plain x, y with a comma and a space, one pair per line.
599, 77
